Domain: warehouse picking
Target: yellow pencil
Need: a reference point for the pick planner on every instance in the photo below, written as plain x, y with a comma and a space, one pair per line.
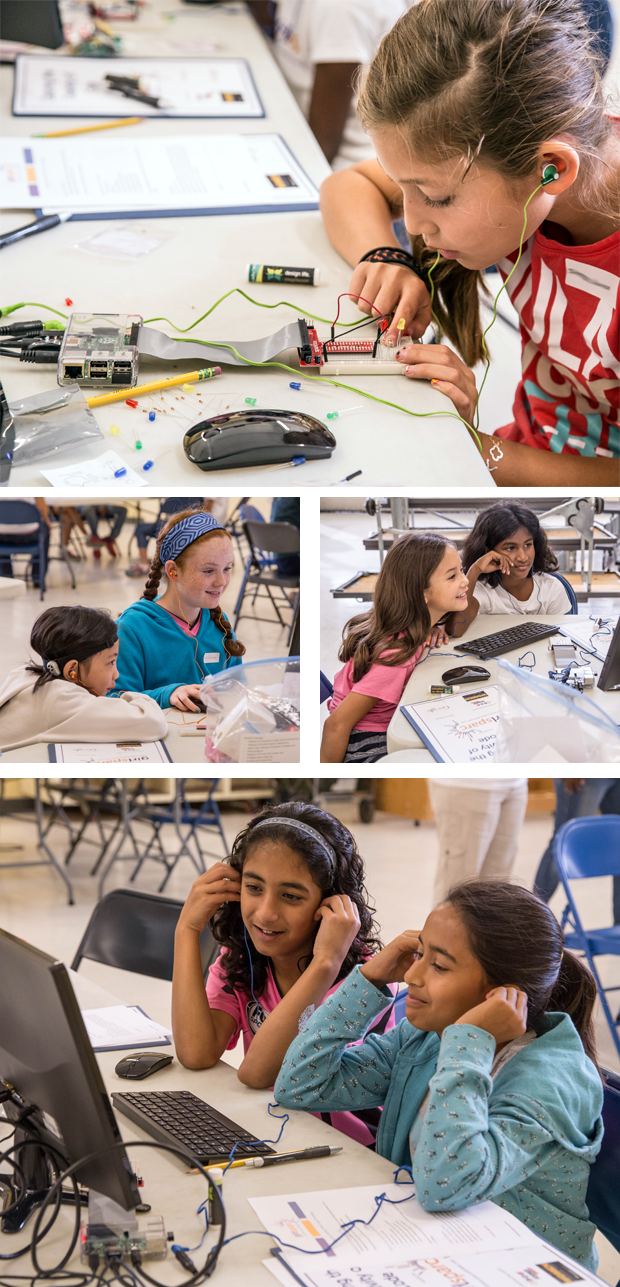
88, 129
121, 395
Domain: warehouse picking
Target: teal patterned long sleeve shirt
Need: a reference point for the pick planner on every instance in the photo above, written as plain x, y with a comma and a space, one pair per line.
524, 1139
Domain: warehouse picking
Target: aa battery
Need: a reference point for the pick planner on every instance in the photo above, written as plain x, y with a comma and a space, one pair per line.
283, 276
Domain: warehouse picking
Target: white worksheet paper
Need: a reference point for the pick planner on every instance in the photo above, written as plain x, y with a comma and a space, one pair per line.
127, 752
312, 1221
187, 87
206, 173
536, 1264
460, 728
123, 1027
94, 473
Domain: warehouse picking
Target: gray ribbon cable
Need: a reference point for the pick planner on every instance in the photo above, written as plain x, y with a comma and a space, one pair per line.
153, 343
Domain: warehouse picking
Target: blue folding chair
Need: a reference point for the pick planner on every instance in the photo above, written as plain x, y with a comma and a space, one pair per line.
327, 688
574, 606
603, 1196
584, 848
180, 813
20, 512
399, 1005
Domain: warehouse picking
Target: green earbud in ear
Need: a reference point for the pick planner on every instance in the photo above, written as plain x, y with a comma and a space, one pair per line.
549, 174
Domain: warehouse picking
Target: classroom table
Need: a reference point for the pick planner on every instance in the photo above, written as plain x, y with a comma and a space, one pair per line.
203, 259
175, 1194
401, 736
182, 747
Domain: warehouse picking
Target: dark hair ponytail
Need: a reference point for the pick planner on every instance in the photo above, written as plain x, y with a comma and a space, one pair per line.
63, 634
518, 941
348, 878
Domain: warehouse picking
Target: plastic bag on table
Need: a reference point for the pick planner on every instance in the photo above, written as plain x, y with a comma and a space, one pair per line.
252, 713
543, 721
51, 422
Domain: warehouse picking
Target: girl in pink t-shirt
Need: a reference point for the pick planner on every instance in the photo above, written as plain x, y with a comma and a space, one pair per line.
291, 912
420, 583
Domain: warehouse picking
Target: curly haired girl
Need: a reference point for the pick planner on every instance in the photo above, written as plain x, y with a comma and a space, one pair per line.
291, 912
169, 644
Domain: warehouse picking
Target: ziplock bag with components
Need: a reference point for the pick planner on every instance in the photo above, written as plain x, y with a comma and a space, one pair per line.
541, 720
252, 713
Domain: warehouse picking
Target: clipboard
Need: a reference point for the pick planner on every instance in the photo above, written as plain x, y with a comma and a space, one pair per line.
158, 176
458, 728
153, 752
206, 88
162, 1040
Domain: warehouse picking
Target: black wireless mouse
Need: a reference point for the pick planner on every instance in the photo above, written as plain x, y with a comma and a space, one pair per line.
142, 1064
256, 437
465, 675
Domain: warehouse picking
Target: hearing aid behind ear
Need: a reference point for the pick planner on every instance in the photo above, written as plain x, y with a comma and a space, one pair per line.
549, 174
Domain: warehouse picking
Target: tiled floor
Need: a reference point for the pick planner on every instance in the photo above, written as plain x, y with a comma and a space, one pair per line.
400, 861
103, 584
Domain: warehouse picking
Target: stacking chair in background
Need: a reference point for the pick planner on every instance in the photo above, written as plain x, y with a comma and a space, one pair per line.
180, 813
261, 571
585, 848
18, 513
135, 931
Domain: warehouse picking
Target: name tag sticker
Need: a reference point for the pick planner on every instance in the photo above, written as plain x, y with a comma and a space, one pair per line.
210, 657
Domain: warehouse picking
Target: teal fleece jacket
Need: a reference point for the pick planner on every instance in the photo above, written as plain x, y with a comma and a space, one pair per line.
524, 1140
156, 656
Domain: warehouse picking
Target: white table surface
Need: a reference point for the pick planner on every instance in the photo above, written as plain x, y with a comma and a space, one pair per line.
205, 257
175, 1194
182, 750
401, 736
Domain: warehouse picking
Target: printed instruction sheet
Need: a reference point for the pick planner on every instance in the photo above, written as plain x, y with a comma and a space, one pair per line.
185, 87
194, 173
460, 728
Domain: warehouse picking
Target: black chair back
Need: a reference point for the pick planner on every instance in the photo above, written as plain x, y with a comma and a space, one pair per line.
135, 931
603, 1196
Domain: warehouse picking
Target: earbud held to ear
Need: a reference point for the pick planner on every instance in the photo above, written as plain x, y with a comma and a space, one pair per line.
549, 174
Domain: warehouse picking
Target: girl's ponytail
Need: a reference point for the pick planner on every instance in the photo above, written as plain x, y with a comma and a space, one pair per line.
232, 647
518, 942
575, 994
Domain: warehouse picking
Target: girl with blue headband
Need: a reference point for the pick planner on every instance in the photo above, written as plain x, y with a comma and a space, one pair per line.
291, 912
171, 643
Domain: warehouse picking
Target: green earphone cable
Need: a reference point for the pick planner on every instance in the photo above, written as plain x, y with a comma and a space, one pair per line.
502, 288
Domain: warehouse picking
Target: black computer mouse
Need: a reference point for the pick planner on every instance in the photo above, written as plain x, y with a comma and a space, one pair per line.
465, 675
142, 1064
256, 437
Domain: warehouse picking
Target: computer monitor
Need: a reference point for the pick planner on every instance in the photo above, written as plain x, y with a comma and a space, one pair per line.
46, 1056
609, 677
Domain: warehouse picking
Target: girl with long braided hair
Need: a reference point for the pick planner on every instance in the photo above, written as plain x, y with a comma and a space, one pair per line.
172, 642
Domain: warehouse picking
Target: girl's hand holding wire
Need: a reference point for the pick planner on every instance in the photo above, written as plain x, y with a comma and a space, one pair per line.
446, 372
392, 963
340, 924
392, 288
183, 695
503, 1014
220, 884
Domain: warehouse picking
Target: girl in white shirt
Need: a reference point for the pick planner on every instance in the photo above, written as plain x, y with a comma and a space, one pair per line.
60, 700
509, 564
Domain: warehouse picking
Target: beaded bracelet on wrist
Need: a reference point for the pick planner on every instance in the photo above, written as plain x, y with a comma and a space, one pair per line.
394, 255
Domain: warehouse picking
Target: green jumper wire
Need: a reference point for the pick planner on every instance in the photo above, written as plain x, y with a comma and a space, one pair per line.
324, 379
